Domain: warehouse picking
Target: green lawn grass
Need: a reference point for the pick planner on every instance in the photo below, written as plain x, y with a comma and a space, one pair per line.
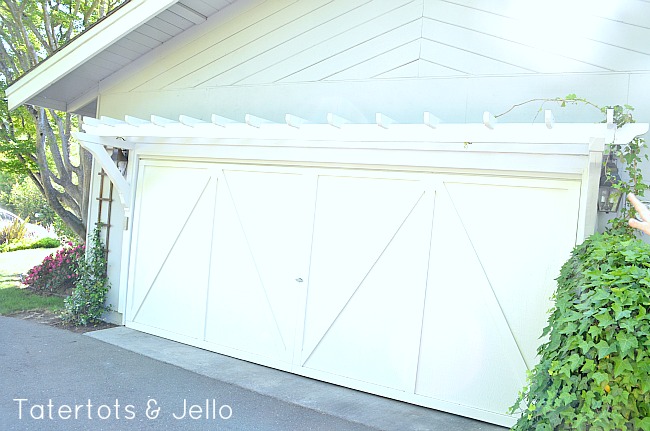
13, 298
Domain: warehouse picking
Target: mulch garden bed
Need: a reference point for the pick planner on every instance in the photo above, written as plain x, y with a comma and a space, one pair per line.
53, 319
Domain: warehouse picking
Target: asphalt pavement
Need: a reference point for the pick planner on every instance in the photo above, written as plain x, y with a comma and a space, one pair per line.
120, 379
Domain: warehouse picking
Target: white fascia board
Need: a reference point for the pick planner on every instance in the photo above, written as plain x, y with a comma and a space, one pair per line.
94, 41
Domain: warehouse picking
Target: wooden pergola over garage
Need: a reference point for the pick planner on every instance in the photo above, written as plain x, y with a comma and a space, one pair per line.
414, 261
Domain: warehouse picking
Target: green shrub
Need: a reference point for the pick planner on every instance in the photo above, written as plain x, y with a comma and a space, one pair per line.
46, 243
594, 370
85, 305
30, 244
13, 232
58, 272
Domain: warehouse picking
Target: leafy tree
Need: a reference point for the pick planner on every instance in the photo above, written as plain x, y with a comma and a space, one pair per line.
35, 142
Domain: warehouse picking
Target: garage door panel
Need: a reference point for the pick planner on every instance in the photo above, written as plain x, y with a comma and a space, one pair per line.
355, 220
258, 246
360, 321
417, 286
529, 222
162, 214
171, 275
468, 355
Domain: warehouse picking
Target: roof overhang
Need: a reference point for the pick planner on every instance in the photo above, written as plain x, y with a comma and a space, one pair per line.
69, 80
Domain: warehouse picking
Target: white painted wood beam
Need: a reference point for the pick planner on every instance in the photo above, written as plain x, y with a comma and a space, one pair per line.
162, 121
256, 122
610, 119
336, 121
431, 120
295, 121
91, 121
135, 121
383, 121
489, 120
549, 119
190, 121
110, 121
221, 121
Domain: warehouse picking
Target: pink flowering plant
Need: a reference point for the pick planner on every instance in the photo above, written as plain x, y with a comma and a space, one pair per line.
58, 272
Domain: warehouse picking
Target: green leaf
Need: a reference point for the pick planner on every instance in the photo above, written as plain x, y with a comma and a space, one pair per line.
600, 377
621, 365
604, 348
604, 319
589, 366
626, 342
595, 331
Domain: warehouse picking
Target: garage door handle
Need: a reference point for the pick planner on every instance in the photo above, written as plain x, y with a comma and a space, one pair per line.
299, 280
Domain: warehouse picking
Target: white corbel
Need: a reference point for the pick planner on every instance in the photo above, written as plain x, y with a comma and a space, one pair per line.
628, 132
92, 144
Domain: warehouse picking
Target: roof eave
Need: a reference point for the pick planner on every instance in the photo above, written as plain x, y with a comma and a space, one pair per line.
78, 52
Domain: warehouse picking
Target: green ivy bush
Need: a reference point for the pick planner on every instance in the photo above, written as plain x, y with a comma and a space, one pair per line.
58, 272
594, 370
86, 303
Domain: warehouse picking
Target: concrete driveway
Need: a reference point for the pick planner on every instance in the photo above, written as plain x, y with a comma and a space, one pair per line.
120, 379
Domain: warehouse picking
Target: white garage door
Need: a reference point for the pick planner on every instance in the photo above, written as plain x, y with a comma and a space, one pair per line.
427, 288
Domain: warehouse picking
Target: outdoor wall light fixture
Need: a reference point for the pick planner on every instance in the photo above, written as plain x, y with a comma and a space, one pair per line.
121, 159
609, 197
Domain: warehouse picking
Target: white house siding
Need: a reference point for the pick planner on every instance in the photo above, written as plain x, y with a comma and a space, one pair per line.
354, 58
456, 58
